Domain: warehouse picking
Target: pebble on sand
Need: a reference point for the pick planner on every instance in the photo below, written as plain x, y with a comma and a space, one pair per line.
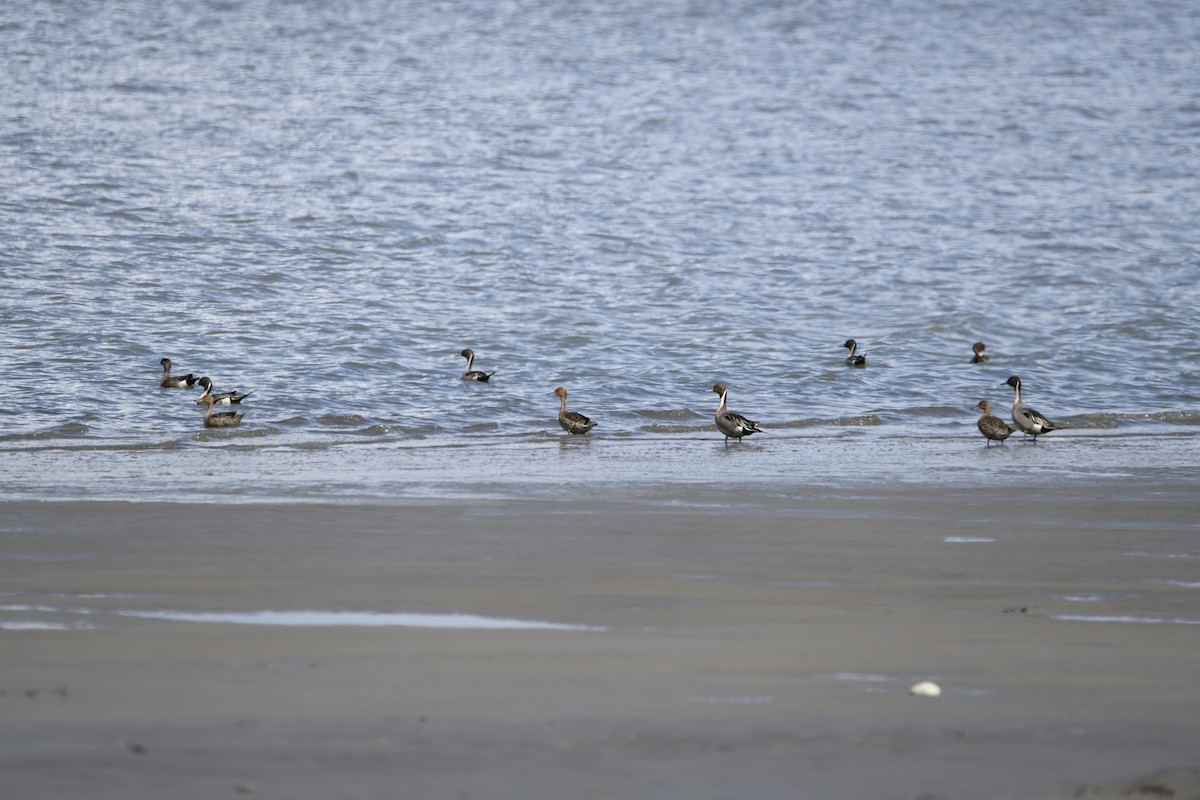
925, 689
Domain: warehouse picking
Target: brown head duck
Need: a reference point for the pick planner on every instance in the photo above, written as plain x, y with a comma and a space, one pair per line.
993, 429
854, 360
182, 382
470, 374
220, 398
571, 421
220, 419
730, 423
1027, 420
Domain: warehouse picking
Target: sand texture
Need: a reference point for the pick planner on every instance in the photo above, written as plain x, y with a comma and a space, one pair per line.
762, 647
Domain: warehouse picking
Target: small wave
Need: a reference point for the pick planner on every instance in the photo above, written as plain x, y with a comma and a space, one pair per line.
342, 420
666, 414
228, 434
1114, 419
375, 430
675, 428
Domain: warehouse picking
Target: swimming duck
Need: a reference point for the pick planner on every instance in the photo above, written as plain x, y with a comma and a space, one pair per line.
167, 382
852, 360
571, 421
978, 349
220, 398
1028, 421
473, 374
993, 429
729, 422
221, 419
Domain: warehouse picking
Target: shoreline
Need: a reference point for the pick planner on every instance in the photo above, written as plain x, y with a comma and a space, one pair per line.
748, 647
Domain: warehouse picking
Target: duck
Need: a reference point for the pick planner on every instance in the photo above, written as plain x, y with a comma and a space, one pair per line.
473, 374
182, 382
979, 357
853, 360
993, 429
220, 398
729, 422
1028, 421
221, 419
571, 421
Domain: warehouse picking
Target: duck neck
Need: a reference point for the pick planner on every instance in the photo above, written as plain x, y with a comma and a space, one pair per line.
721, 405
1017, 395
470, 361
562, 405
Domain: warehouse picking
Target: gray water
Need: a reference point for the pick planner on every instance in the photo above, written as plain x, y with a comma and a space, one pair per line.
325, 202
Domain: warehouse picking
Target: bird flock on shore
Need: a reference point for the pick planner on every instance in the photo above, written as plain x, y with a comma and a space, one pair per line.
730, 423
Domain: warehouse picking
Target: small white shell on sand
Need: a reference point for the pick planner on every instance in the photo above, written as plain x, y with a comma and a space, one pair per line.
925, 689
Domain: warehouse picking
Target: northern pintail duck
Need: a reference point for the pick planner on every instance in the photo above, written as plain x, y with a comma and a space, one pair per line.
220, 398
473, 374
571, 421
1028, 421
993, 429
729, 422
978, 349
221, 419
853, 360
167, 382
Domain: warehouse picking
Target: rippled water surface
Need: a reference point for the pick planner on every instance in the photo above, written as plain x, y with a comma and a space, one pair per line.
325, 202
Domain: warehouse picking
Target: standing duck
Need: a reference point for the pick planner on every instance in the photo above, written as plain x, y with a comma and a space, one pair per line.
993, 429
473, 374
571, 421
220, 398
729, 422
167, 382
221, 419
853, 360
1028, 421
979, 357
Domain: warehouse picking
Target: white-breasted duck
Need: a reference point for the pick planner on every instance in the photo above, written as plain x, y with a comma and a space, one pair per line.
473, 374
182, 382
220, 398
993, 429
1027, 420
220, 419
979, 357
731, 423
854, 360
571, 421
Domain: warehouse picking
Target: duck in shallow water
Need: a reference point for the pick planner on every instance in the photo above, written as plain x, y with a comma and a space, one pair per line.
473, 374
993, 429
854, 360
220, 419
167, 382
1028, 421
571, 421
979, 357
729, 422
220, 398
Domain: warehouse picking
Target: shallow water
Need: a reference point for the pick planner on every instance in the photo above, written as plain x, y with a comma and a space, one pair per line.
324, 203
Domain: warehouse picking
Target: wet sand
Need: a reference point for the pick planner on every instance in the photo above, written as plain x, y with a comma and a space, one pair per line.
759, 647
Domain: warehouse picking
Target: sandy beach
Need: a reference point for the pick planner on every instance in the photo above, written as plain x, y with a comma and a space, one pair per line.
763, 647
